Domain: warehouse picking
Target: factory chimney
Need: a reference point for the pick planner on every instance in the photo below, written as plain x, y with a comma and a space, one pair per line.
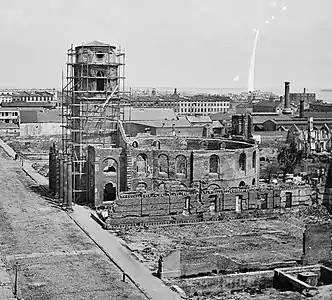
287, 109
301, 115
286, 97
301, 108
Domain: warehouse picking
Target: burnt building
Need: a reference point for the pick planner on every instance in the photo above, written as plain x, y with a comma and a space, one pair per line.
148, 163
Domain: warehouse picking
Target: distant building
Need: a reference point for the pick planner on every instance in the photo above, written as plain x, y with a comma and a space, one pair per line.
199, 120
260, 120
320, 106
180, 127
307, 97
312, 135
37, 123
241, 108
189, 105
27, 96
6, 97
147, 114
33, 97
204, 105
27, 105
9, 115
268, 106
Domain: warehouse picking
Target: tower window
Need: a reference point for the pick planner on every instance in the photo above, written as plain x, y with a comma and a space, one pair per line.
100, 81
100, 55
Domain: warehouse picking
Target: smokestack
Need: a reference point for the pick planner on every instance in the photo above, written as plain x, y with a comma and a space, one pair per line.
286, 97
287, 110
301, 108
301, 115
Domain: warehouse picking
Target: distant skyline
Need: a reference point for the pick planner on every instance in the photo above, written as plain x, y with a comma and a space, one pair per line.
184, 44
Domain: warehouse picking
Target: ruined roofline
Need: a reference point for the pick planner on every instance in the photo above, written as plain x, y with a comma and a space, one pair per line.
95, 44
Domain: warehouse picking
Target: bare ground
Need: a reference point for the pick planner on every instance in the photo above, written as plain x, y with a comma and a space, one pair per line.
259, 241
56, 260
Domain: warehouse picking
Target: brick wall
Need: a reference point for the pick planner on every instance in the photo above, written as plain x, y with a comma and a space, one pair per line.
201, 205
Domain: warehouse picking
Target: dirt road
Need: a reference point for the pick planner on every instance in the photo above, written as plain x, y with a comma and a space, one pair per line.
56, 260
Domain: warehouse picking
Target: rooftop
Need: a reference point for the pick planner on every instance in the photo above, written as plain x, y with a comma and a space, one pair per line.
199, 119
34, 116
318, 114
95, 44
261, 119
220, 116
165, 123
8, 126
148, 114
26, 104
272, 104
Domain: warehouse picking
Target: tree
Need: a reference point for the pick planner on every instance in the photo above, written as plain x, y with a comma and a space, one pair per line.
271, 170
289, 157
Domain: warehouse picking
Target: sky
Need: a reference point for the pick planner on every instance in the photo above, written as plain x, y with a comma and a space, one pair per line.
171, 43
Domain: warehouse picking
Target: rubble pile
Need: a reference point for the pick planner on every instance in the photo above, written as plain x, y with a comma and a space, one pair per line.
311, 214
42, 169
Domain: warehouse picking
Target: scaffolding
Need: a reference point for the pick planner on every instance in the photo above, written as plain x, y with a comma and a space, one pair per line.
92, 94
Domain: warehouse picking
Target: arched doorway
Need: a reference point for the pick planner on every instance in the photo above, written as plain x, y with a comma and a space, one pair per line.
100, 81
109, 192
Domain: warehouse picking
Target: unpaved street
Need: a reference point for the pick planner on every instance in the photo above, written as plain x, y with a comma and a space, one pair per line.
56, 260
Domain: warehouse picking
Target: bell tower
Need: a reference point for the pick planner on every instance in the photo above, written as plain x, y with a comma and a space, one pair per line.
92, 96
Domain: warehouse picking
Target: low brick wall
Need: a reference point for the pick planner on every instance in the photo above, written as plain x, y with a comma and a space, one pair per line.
131, 208
217, 283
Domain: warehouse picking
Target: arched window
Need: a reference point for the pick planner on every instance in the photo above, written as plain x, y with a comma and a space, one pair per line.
213, 187
141, 163
242, 162
135, 144
204, 145
141, 187
181, 165
214, 163
183, 145
242, 184
254, 160
156, 144
163, 164
162, 187
100, 55
253, 182
109, 167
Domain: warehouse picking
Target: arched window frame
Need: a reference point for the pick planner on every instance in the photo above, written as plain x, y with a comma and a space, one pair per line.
163, 170
214, 159
243, 162
181, 170
143, 159
254, 159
